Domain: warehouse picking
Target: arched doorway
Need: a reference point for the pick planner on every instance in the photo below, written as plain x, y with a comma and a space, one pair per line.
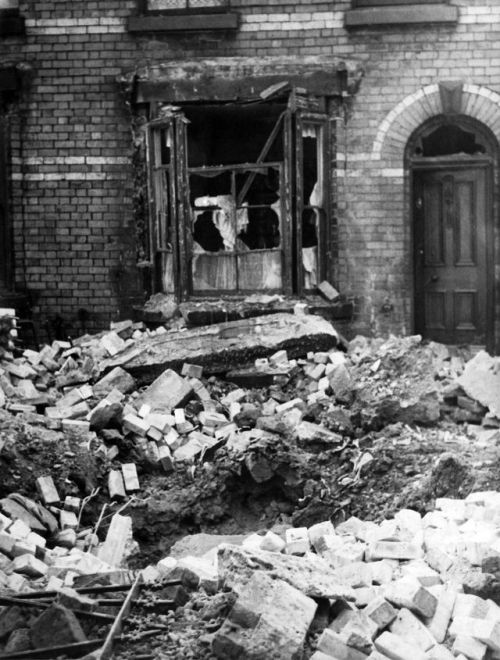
453, 161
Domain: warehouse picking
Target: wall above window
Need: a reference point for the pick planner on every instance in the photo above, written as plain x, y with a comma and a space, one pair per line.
183, 16
368, 13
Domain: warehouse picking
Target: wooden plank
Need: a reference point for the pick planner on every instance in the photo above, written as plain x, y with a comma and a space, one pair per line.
106, 650
214, 87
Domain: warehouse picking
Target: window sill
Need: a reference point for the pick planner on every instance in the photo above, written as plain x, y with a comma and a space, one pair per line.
11, 24
183, 23
401, 15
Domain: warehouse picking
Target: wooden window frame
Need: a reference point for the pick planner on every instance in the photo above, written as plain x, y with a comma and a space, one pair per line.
189, 19
178, 204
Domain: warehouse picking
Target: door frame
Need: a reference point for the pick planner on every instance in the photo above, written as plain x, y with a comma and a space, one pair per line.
419, 165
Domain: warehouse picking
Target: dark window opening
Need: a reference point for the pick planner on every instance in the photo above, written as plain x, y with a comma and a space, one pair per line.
449, 140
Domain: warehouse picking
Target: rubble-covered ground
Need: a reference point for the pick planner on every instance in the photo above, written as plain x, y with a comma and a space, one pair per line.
308, 432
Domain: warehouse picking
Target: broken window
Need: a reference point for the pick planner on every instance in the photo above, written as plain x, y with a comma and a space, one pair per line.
313, 200
239, 198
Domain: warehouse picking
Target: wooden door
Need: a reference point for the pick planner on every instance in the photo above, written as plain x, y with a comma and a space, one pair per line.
452, 209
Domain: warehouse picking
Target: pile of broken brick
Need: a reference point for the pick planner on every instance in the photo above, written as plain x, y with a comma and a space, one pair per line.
410, 588
372, 588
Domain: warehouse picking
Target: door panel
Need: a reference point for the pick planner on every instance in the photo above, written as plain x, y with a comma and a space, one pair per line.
451, 212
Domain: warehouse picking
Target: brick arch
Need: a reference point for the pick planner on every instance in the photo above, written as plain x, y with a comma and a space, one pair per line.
398, 125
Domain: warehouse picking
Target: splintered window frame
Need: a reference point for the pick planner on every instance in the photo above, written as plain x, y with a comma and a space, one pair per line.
169, 209
171, 214
308, 278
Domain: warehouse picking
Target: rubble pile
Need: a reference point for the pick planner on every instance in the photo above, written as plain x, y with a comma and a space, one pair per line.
409, 588
276, 425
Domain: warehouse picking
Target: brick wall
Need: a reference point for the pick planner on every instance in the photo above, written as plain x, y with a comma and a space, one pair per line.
71, 173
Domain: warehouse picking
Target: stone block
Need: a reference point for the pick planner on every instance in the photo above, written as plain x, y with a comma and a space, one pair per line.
334, 646
119, 534
19, 640
48, 491
408, 592
396, 648
271, 542
116, 486
381, 612
297, 541
130, 478
135, 424
329, 291
470, 647
192, 370
167, 392
393, 550
270, 619
29, 565
19, 530
68, 520
486, 631
411, 629
440, 652
117, 379
56, 626
72, 503
7, 543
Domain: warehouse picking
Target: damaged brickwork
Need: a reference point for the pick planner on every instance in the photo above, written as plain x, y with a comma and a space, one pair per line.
75, 178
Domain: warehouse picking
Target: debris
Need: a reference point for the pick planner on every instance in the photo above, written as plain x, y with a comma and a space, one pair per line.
254, 630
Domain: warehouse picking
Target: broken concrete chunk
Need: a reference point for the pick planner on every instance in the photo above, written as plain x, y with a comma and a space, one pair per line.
313, 577
113, 343
118, 379
191, 370
270, 619
119, 533
11, 618
56, 626
167, 392
481, 381
308, 433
